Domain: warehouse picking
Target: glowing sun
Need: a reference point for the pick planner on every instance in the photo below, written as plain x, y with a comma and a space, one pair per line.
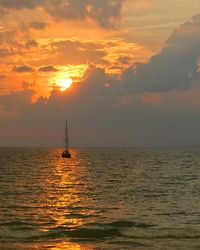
64, 84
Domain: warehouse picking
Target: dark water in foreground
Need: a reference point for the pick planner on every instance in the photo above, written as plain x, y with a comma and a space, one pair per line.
100, 199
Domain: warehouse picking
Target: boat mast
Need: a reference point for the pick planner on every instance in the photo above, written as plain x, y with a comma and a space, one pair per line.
66, 137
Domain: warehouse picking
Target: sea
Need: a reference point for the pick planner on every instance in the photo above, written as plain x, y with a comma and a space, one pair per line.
101, 198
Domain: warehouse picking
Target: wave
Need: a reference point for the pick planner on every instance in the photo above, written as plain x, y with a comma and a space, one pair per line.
161, 233
19, 231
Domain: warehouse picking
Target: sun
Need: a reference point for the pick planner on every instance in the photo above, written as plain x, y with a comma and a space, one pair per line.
64, 84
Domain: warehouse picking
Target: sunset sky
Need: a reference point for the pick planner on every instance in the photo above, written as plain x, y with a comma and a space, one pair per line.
124, 72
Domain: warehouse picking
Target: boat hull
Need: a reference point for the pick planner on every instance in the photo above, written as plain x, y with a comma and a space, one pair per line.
66, 154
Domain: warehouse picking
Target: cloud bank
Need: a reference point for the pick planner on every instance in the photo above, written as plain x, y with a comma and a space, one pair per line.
176, 66
154, 103
103, 12
19, 4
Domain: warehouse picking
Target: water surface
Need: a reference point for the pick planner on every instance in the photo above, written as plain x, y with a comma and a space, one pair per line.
100, 199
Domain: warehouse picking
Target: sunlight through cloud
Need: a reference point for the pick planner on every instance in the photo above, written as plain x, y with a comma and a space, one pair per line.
64, 84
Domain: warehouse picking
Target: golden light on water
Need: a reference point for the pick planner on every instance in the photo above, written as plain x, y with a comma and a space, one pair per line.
64, 84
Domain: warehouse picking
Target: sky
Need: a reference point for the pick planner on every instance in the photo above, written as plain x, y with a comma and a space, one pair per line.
123, 72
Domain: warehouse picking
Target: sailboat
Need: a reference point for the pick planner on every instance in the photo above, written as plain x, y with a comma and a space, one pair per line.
66, 153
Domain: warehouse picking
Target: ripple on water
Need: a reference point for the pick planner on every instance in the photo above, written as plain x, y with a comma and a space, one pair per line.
99, 199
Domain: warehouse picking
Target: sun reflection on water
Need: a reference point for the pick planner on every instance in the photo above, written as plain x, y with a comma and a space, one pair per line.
71, 246
56, 201
65, 199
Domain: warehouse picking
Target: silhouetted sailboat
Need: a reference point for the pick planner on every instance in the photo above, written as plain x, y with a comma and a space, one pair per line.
66, 153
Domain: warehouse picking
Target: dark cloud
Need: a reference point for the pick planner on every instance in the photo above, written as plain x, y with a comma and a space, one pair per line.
38, 25
104, 12
19, 4
48, 68
174, 67
23, 69
16, 101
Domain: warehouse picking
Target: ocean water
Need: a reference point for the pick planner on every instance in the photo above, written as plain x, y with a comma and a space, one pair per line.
129, 198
